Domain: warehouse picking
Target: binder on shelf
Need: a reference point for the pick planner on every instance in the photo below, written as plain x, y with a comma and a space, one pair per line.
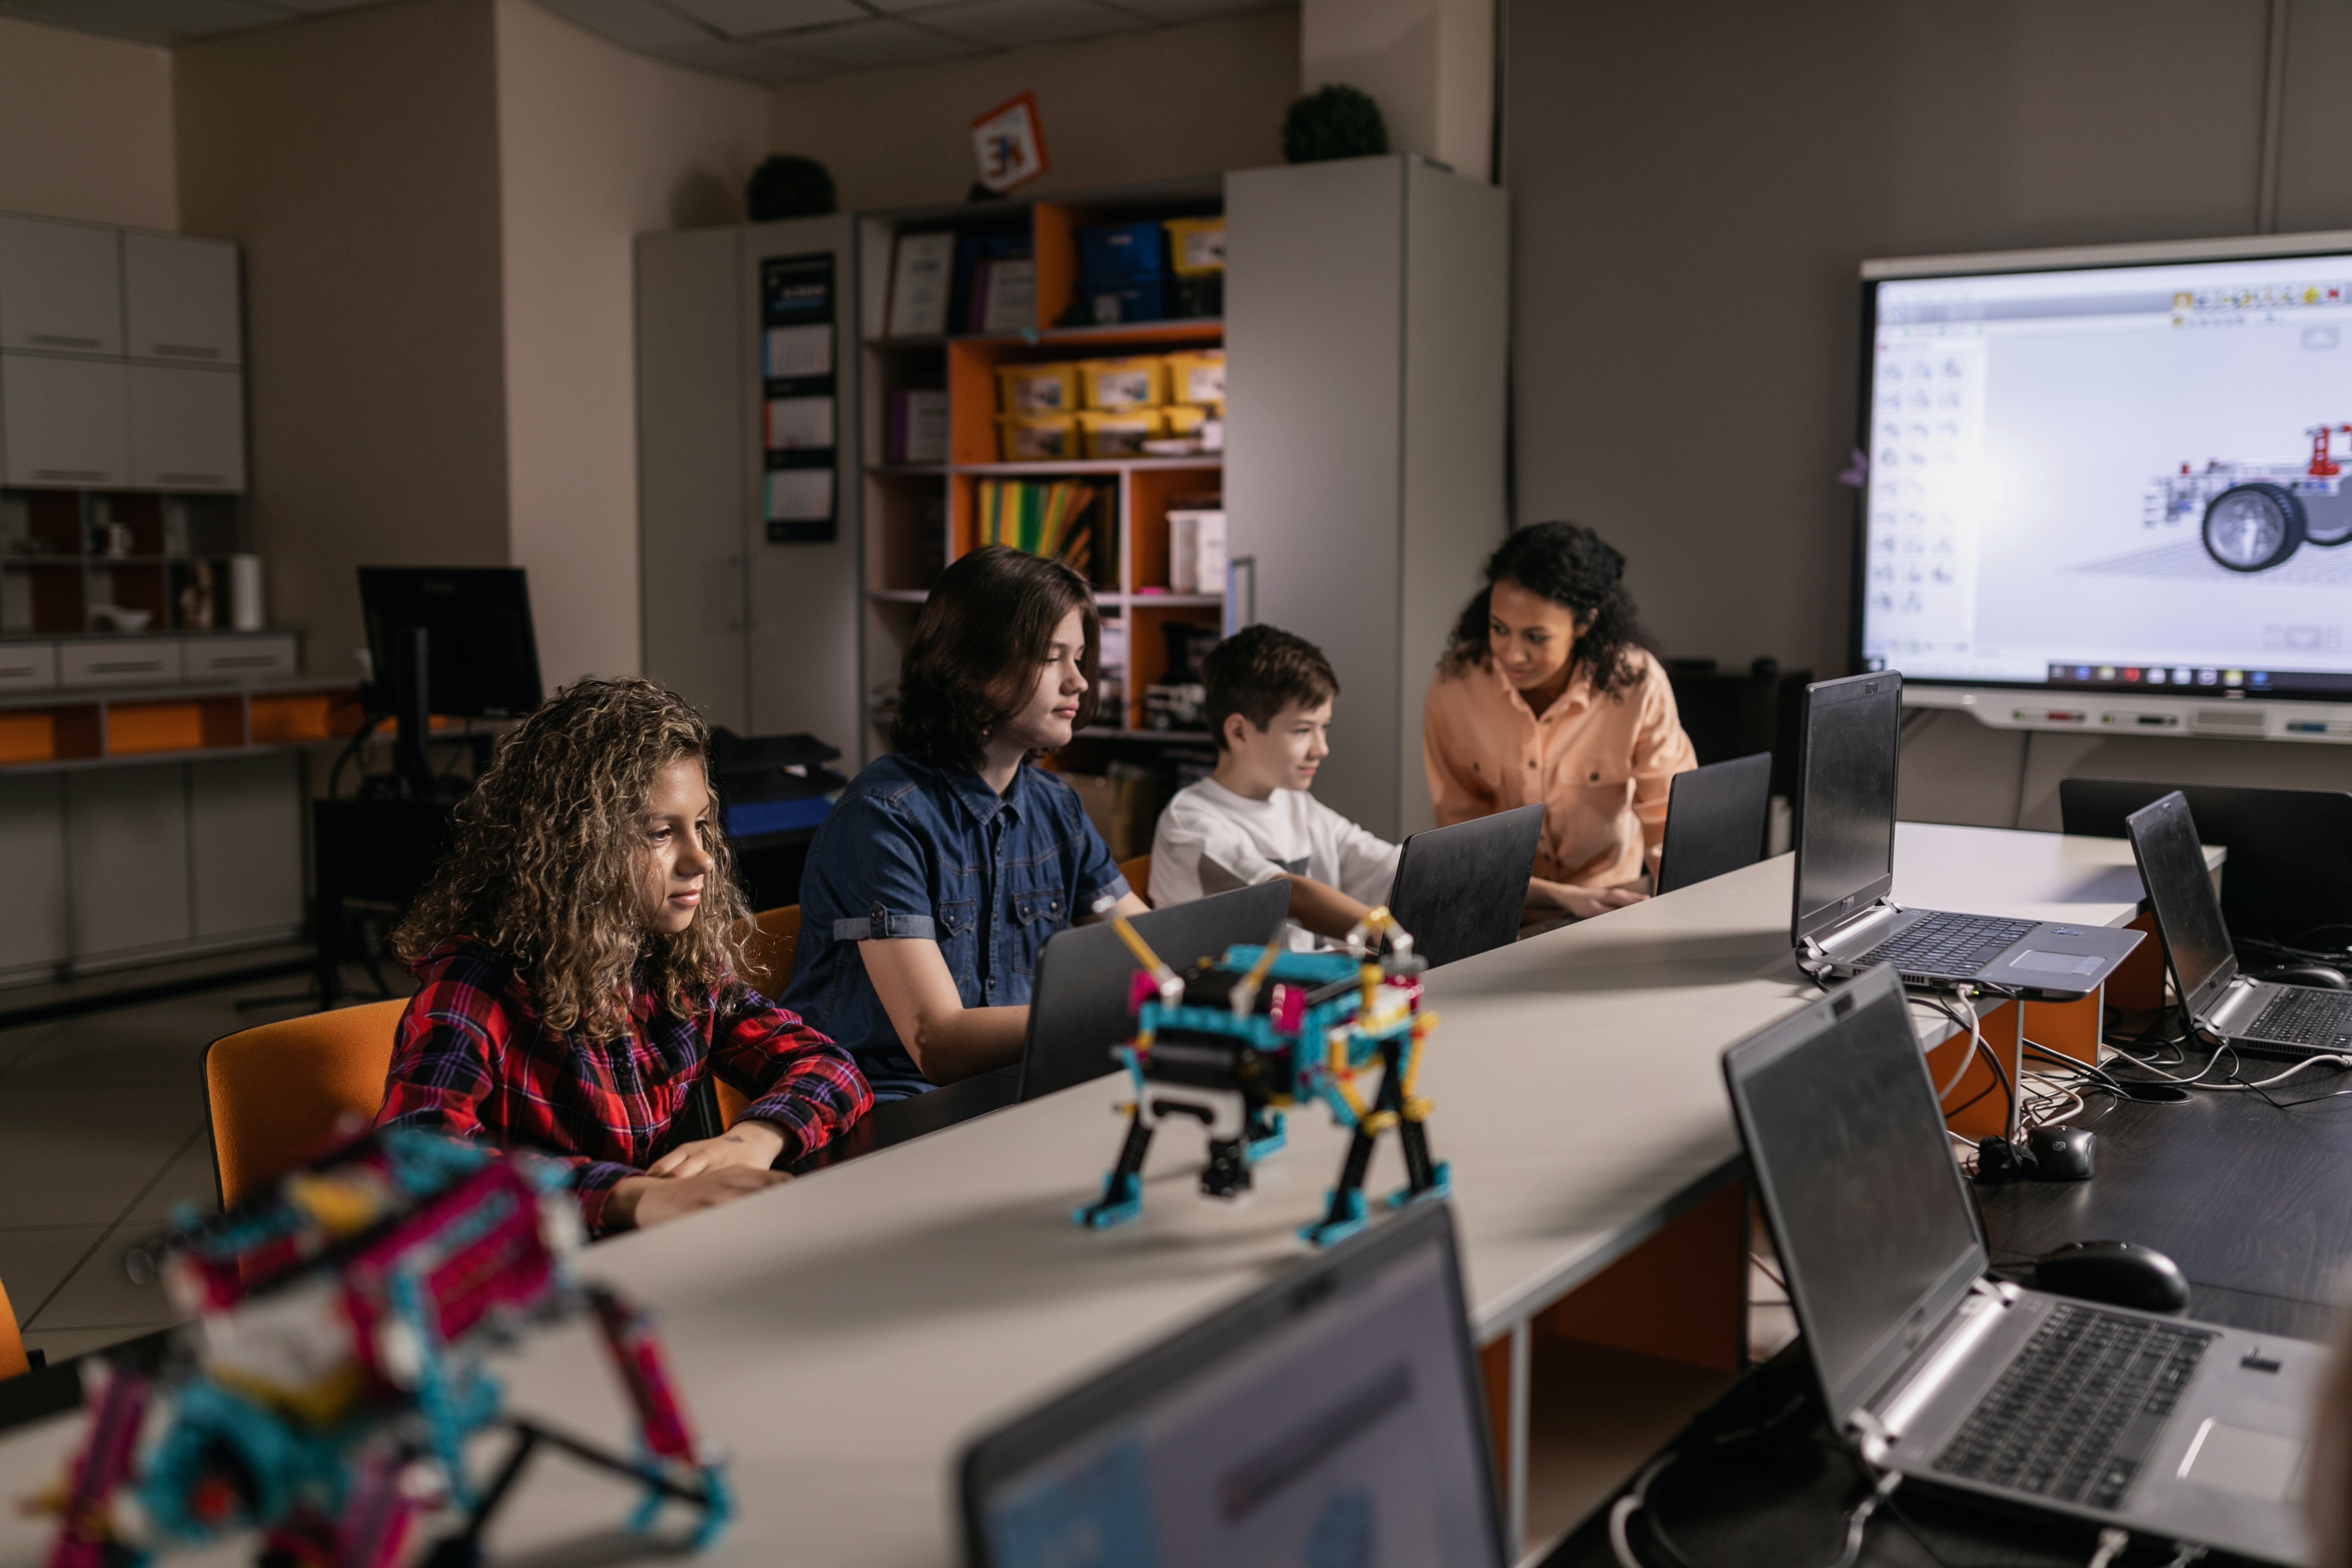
1196, 551
1054, 518
1006, 296
917, 427
922, 272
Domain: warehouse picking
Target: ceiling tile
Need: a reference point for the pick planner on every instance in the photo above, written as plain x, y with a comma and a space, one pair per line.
750, 61
634, 23
1013, 23
746, 19
1193, 10
877, 43
147, 21
323, 8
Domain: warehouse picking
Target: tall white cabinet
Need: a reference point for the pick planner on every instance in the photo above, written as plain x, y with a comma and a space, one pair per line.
1367, 327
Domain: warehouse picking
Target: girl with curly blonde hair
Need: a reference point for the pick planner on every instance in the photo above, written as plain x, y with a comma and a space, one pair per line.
579, 949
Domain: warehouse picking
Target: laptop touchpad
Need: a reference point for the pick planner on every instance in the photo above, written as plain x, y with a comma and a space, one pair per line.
2054, 963
2251, 1464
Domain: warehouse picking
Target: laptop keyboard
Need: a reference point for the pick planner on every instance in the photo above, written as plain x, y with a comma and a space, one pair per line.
2301, 1015
2076, 1414
1957, 945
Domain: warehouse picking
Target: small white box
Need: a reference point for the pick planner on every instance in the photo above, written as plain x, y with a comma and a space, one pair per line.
1196, 551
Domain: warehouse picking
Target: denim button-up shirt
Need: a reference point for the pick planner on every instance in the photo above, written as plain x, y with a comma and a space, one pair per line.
913, 851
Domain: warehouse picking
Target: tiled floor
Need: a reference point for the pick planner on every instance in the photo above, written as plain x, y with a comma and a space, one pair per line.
101, 1136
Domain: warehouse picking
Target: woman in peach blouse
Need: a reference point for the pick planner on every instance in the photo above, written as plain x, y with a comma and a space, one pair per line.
1546, 695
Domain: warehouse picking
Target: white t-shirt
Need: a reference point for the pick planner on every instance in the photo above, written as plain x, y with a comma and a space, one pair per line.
1210, 841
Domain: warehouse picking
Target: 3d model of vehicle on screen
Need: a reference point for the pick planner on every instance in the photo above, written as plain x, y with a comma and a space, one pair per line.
2254, 514
327, 1391
1241, 1037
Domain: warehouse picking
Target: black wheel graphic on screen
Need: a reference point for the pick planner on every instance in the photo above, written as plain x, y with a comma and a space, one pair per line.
2254, 528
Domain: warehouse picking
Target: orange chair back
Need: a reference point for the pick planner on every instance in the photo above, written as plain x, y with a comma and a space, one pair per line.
12, 1359
774, 942
1137, 872
276, 1092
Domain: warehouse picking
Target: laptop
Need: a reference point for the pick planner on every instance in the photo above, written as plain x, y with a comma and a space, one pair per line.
1459, 890
1846, 920
1078, 1004
1333, 1416
2258, 1016
1715, 821
2290, 849
2176, 1429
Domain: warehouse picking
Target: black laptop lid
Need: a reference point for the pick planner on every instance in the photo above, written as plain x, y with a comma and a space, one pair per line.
1078, 1009
1459, 890
1714, 819
1848, 1149
2188, 911
1845, 798
1334, 1417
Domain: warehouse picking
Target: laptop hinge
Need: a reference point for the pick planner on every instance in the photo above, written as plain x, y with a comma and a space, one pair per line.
1860, 921
1971, 1320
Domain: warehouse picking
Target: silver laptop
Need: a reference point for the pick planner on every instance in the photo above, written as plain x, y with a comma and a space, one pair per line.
2180, 1430
1847, 920
2258, 1016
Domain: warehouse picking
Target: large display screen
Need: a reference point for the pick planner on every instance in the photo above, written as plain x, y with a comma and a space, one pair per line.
2130, 477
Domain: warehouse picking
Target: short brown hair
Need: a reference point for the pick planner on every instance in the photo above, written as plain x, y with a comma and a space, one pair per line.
1259, 671
982, 638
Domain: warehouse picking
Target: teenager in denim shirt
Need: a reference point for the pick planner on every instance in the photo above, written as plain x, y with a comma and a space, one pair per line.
935, 881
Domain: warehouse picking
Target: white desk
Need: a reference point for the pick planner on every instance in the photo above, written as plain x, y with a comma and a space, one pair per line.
845, 1334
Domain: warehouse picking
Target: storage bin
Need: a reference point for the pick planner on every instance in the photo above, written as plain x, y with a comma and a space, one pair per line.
1036, 388
1196, 246
1184, 419
1120, 434
1197, 378
1115, 384
1118, 254
1146, 300
1038, 437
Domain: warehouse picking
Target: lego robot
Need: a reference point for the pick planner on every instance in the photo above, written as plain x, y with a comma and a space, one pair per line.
333, 1378
2254, 514
1242, 1038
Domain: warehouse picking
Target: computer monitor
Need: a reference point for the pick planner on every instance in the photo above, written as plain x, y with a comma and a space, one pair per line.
2121, 470
481, 657
1334, 1415
1844, 808
2188, 911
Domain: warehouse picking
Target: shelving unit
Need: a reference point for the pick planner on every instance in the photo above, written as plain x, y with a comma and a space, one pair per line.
50, 731
920, 516
58, 577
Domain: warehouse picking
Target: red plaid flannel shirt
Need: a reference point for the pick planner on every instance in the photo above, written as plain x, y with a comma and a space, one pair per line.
472, 1058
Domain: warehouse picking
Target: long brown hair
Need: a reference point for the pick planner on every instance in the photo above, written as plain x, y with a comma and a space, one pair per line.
977, 647
548, 868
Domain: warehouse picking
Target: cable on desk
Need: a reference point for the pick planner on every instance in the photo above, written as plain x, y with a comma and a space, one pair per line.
2112, 1543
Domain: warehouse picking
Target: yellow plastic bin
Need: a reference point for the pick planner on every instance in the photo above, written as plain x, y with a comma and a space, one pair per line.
1197, 377
1196, 246
1120, 384
1039, 437
1036, 388
1184, 419
1122, 432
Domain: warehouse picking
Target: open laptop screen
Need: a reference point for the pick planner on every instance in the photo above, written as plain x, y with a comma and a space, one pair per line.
1851, 1158
1333, 1419
1845, 798
2188, 910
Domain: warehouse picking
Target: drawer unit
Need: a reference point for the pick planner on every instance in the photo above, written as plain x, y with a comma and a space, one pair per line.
29, 666
212, 660
129, 661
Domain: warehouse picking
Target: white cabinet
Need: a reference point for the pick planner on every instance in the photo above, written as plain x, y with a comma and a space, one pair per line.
180, 299
60, 286
63, 422
126, 859
32, 937
244, 845
187, 428
214, 660
119, 662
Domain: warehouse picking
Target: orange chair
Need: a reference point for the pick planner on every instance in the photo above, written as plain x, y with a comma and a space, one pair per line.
12, 1359
774, 941
273, 1094
1137, 872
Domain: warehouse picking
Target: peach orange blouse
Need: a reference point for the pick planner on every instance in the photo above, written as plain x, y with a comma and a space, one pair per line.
1599, 766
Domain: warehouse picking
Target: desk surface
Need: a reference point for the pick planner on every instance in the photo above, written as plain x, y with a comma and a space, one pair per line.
845, 1334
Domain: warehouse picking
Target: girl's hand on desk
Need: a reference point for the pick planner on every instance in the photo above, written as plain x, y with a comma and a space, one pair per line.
1585, 902
640, 1201
747, 1145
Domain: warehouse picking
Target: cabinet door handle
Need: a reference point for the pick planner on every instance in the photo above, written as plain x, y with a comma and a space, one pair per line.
94, 474
54, 340
187, 351
1241, 605
192, 478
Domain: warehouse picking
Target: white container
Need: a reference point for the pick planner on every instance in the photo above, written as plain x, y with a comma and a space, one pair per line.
245, 592
1196, 551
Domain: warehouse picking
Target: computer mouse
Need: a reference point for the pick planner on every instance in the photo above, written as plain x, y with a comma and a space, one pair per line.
2120, 1273
2060, 1154
2318, 974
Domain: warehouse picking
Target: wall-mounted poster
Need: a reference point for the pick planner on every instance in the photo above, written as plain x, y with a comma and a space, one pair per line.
800, 414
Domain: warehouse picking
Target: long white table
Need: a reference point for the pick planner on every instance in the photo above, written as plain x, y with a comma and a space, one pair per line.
844, 1336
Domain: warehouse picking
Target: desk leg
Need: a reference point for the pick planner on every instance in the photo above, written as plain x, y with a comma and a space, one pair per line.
1508, 1367
2137, 984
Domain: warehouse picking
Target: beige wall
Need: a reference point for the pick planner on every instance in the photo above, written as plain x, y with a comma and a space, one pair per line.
84, 128
356, 159
1157, 105
594, 145
1429, 64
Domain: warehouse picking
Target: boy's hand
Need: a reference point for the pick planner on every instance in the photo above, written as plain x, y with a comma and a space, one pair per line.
747, 1145
640, 1201
1585, 902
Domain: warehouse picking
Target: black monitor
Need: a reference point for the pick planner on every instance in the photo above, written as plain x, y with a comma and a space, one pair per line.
481, 658
1845, 798
2188, 911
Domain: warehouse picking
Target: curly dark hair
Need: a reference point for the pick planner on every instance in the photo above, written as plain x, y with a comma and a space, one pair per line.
1568, 564
1257, 670
548, 868
982, 638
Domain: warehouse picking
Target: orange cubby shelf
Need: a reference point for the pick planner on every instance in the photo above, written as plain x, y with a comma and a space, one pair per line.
68, 732
293, 717
134, 729
1147, 648
1153, 493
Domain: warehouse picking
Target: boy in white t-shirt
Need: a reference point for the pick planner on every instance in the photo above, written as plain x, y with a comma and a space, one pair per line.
1269, 705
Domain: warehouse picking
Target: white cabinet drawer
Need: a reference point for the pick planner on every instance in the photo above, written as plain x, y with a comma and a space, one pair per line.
63, 422
27, 667
60, 286
241, 660
187, 428
139, 661
180, 299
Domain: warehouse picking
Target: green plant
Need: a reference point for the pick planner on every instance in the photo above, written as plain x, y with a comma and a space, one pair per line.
1333, 121
786, 185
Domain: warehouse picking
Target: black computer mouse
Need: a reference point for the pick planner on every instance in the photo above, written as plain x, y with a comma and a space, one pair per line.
2318, 974
2060, 1154
2120, 1273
